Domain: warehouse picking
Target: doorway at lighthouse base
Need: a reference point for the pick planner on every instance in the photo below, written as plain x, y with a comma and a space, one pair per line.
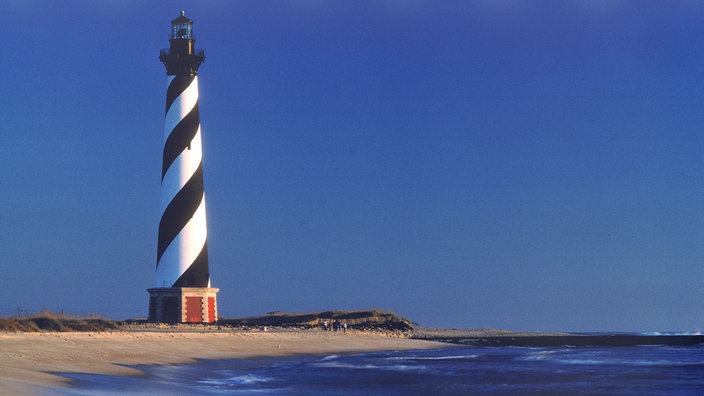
183, 305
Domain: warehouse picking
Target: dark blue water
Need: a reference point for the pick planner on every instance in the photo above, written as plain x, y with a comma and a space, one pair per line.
645, 370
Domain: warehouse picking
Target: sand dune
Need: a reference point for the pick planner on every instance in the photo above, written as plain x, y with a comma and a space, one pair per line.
29, 360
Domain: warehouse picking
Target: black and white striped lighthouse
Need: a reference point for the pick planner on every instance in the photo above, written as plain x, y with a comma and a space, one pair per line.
182, 292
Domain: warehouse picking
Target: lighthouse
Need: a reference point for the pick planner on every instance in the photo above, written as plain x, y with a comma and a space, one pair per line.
182, 292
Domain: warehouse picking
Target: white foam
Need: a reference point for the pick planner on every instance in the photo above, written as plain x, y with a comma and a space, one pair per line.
672, 333
249, 379
541, 355
226, 383
439, 358
395, 367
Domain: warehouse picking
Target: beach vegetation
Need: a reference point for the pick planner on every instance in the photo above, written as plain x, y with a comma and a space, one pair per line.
355, 319
53, 321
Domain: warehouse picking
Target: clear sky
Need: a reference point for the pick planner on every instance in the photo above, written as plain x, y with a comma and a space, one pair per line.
528, 165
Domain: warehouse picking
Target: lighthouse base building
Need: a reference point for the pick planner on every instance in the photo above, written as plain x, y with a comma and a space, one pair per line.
183, 304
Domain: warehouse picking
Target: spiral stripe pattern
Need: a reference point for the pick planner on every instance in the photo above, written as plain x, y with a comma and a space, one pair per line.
182, 255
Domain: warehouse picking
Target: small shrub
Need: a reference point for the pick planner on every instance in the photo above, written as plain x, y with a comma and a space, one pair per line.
47, 323
12, 325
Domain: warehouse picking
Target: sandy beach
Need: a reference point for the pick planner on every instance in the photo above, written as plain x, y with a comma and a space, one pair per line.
29, 360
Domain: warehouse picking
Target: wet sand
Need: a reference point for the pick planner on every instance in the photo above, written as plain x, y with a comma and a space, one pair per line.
29, 361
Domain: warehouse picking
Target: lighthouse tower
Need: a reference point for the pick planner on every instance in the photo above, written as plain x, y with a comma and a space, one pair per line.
182, 292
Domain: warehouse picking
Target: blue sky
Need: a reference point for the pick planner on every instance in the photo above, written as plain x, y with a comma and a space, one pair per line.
529, 165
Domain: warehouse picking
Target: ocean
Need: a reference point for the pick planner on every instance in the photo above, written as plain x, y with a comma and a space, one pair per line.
462, 370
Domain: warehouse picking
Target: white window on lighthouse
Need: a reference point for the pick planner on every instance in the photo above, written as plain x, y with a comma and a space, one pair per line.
182, 28
182, 31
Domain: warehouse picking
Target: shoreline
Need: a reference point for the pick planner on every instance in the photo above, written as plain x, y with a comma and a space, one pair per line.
31, 361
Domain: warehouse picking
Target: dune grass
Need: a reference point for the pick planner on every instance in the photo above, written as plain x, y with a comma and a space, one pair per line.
52, 321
